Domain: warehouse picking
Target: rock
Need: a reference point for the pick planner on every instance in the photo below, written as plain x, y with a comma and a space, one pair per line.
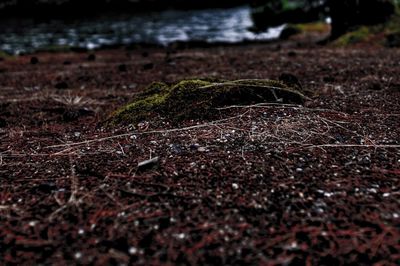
46, 188
122, 68
61, 85
393, 39
176, 148
148, 66
34, 60
3, 123
328, 79
198, 99
371, 82
70, 115
201, 149
91, 57
148, 164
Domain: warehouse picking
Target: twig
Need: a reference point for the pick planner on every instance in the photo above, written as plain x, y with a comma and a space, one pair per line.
354, 146
213, 123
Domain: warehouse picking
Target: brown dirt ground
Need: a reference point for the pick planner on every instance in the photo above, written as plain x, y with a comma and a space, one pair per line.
265, 184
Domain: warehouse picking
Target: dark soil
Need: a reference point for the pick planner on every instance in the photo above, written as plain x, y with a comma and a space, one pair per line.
269, 184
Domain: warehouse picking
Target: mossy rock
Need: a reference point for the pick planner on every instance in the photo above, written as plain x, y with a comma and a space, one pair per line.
199, 99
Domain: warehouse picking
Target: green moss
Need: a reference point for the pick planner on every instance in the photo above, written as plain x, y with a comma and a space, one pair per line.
320, 27
198, 99
5, 55
362, 34
304, 28
382, 34
55, 49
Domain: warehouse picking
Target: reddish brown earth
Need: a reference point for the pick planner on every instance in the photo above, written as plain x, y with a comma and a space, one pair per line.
265, 184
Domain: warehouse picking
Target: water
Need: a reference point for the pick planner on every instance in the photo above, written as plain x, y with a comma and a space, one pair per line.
212, 25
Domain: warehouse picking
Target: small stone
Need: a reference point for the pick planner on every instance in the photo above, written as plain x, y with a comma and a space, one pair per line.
328, 79
46, 188
91, 57
235, 186
78, 255
33, 223
34, 60
201, 149
180, 236
122, 68
148, 66
61, 85
176, 148
3, 123
133, 250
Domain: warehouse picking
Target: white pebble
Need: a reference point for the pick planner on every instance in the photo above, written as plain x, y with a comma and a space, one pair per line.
33, 223
133, 250
78, 255
180, 236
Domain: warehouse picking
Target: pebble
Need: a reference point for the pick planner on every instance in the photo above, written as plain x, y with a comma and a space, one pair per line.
148, 66
78, 255
91, 57
34, 60
122, 68
3, 123
201, 149
33, 223
180, 236
133, 250
61, 85
235, 186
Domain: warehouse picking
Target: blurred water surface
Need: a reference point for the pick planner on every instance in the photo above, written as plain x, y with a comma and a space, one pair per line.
210, 25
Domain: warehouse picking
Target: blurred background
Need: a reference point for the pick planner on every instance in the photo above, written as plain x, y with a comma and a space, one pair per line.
32, 25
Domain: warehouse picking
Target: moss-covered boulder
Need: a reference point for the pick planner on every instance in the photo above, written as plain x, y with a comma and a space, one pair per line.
199, 99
